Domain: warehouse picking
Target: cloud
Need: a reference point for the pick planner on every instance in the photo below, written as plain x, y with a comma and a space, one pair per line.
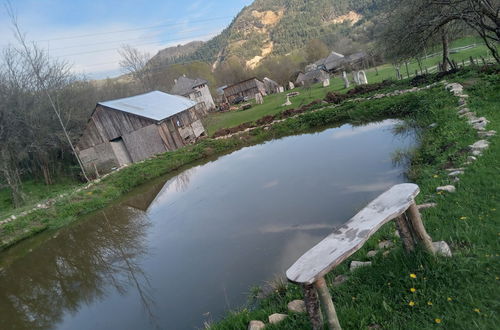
270, 184
369, 187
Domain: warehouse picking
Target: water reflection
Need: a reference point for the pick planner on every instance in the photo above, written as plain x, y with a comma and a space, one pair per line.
178, 253
76, 268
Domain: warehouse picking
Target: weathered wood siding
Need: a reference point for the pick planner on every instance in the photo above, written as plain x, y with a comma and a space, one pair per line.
247, 88
108, 124
144, 143
141, 137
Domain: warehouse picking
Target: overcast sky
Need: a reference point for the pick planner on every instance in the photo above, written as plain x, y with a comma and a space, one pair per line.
87, 33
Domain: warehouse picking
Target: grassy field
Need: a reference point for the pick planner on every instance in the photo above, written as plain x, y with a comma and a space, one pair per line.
450, 293
272, 103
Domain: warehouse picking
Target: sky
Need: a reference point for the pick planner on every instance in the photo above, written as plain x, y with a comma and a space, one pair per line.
88, 33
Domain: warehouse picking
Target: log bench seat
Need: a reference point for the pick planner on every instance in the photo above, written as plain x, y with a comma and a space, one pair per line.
309, 270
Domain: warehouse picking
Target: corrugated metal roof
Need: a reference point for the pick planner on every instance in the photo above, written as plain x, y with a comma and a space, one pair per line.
154, 105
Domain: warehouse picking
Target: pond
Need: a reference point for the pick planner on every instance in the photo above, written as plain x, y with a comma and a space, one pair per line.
183, 251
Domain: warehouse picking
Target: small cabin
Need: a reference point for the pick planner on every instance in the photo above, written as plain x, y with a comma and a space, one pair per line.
132, 129
194, 89
245, 89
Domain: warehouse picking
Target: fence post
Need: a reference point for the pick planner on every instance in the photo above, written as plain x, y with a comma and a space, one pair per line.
418, 227
327, 302
312, 306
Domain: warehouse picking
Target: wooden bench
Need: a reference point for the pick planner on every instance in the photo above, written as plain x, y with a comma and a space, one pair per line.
309, 270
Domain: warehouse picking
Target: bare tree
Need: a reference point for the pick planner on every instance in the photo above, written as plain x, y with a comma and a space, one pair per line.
137, 64
43, 72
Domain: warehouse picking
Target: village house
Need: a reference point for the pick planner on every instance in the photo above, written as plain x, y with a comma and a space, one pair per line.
336, 62
312, 77
135, 128
271, 86
245, 89
194, 89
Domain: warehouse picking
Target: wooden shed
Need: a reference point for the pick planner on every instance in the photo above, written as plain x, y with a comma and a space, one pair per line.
132, 129
246, 88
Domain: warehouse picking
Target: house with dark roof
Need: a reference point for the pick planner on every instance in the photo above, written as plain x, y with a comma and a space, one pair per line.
194, 89
336, 62
135, 128
312, 77
330, 63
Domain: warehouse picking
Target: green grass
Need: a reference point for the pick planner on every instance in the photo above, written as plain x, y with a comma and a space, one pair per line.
272, 103
35, 191
462, 291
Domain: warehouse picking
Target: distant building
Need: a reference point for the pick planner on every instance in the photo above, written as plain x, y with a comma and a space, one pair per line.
336, 62
312, 77
194, 89
271, 86
132, 129
245, 89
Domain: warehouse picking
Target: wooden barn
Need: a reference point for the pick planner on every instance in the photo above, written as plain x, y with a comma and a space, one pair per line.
132, 129
246, 89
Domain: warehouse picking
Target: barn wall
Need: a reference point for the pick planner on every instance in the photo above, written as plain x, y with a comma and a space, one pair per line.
245, 88
101, 155
144, 143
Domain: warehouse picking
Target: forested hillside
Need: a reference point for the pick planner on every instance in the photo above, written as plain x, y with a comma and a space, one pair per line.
278, 27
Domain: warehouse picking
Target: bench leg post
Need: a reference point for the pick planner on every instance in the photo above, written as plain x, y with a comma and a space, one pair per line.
418, 227
405, 232
312, 306
327, 302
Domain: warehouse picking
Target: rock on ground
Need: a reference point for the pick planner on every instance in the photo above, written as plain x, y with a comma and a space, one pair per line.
385, 244
276, 318
480, 145
371, 254
426, 206
442, 248
448, 188
340, 279
297, 306
256, 325
357, 264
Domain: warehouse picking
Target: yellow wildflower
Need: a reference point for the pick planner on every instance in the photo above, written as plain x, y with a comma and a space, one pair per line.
463, 218
449, 299
436, 176
437, 320
411, 303
497, 278
439, 192
477, 310
415, 276
493, 209
413, 290
429, 303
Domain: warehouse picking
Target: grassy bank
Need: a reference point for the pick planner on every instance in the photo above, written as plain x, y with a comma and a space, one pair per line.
452, 293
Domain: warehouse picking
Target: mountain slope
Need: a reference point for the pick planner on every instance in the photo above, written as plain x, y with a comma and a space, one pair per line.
277, 27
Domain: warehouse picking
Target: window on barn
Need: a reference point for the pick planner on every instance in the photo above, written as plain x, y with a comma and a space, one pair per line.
197, 94
179, 122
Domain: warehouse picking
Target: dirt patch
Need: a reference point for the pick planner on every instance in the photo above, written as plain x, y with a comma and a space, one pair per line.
268, 17
265, 120
351, 16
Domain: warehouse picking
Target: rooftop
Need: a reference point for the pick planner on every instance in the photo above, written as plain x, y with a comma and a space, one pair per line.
184, 85
154, 105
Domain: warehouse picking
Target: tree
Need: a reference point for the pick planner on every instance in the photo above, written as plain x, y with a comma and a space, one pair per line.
137, 64
315, 50
415, 25
46, 73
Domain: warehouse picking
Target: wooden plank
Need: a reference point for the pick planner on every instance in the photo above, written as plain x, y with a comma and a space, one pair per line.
347, 239
327, 302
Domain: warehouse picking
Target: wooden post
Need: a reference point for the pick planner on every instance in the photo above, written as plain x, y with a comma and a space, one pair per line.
471, 60
96, 172
326, 301
418, 227
405, 233
312, 306
407, 72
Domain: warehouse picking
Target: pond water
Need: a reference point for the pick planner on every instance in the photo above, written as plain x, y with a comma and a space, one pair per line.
180, 252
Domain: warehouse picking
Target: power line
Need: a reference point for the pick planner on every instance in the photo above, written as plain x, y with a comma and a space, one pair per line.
135, 29
141, 44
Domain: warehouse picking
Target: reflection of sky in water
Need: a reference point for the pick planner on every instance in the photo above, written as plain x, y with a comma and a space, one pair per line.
217, 229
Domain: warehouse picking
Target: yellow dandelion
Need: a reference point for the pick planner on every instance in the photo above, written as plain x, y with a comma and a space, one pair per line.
411, 303
429, 303
497, 278
415, 276
477, 310
413, 290
449, 299
437, 320
436, 176
463, 218
493, 209
89, 193
439, 193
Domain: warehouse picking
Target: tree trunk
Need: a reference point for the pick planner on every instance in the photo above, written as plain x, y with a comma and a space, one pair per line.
446, 49
14, 182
